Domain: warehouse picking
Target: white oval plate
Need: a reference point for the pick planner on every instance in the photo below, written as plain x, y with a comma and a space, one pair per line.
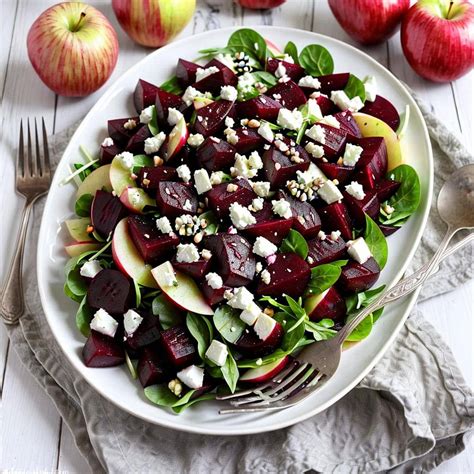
115, 383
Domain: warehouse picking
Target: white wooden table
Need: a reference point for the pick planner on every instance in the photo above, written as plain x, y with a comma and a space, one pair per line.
34, 437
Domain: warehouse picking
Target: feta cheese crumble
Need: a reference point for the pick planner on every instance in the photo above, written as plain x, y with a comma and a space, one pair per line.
187, 253
282, 208
250, 314
217, 353
266, 277
264, 326
153, 144
331, 121
131, 322
90, 269
359, 250
191, 93
214, 280
202, 183
107, 142
261, 188
352, 154
240, 216
195, 140
104, 323
356, 190
125, 159
174, 116
341, 99
229, 93
280, 70
192, 376
265, 131
309, 81
370, 84
184, 173
164, 226
290, 119
203, 73
146, 115
316, 151
263, 247
314, 111
217, 177
316, 133
241, 298
329, 192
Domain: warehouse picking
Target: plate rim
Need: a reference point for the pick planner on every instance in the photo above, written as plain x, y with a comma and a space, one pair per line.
424, 214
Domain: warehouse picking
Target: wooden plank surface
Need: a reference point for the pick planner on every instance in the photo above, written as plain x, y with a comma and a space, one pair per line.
26, 413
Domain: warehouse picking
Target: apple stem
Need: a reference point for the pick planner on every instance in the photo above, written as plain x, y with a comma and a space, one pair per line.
449, 9
78, 24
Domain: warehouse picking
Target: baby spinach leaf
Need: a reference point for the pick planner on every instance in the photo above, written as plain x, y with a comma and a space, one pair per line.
84, 317
178, 408
363, 329
172, 86
249, 41
166, 312
265, 78
355, 87
230, 372
322, 278
376, 241
228, 324
292, 337
83, 205
316, 60
296, 243
321, 330
161, 395
292, 51
201, 329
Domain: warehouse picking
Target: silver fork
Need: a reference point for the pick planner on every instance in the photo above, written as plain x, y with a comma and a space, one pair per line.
312, 368
33, 178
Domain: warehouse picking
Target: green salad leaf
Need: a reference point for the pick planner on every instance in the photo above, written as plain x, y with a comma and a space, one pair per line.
355, 87
296, 243
228, 324
316, 60
376, 241
250, 42
83, 205
324, 276
292, 51
161, 395
84, 317
172, 86
153, 124
201, 329
167, 313
230, 372
265, 78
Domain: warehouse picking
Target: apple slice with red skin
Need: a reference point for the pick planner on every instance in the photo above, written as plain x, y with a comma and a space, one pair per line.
278, 168
336, 216
261, 107
211, 119
185, 294
325, 251
175, 140
250, 345
144, 95
294, 71
356, 277
117, 131
215, 154
357, 208
220, 200
102, 351
186, 72
264, 372
128, 259
328, 304
77, 248
98, 179
265, 4
151, 367
333, 82
289, 94
150, 176
163, 102
179, 346
248, 140
171, 199
106, 211
136, 200
384, 110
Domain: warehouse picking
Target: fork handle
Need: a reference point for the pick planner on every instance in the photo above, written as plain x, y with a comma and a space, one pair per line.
12, 304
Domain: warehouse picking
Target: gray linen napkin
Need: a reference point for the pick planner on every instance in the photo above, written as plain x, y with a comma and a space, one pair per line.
410, 421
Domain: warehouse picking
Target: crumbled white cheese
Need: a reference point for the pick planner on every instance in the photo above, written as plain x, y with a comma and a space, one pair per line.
263, 247
164, 226
359, 250
131, 321
130, 124
168, 274
153, 144
229, 93
331, 121
265, 131
314, 111
217, 177
290, 119
146, 115
356, 190
341, 99
226, 60
174, 116
184, 173
217, 352
192, 376
90, 269
229, 122
107, 142
316, 133
370, 84
187, 253
202, 183
309, 81
288, 59
351, 154
266, 277
261, 188
203, 73
264, 326
282, 208
125, 159
255, 160
310, 175
195, 140
250, 314
241, 298
104, 323
329, 192
214, 280
280, 70
191, 93
317, 151
240, 216
335, 234
257, 204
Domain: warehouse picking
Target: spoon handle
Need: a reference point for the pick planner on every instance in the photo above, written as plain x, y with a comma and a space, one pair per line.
406, 285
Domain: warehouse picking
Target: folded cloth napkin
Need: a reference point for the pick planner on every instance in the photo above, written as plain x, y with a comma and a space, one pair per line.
410, 421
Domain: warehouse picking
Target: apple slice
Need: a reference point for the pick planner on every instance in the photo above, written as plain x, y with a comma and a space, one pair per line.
373, 127
273, 47
200, 102
77, 248
176, 139
264, 372
128, 259
136, 199
77, 229
120, 177
98, 179
186, 295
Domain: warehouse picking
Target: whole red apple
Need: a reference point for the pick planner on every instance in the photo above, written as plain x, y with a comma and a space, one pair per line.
153, 23
438, 38
369, 21
73, 48
259, 4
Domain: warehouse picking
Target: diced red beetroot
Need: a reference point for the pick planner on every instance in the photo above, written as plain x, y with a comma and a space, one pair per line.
179, 346
333, 82
294, 71
144, 95
106, 211
102, 351
150, 176
348, 124
290, 275
305, 218
325, 104
151, 367
334, 171
210, 119
250, 345
374, 155
249, 140
356, 277
268, 225
214, 82
110, 290
136, 144
208, 385
388, 229
236, 261
215, 154
153, 246
365, 177
386, 188
332, 306
213, 296
336, 216
279, 168
186, 72
325, 251
195, 270
335, 141
263, 107
384, 110
108, 153
118, 132
357, 208
147, 333
175, 199
164, 101
289, 94
219, 199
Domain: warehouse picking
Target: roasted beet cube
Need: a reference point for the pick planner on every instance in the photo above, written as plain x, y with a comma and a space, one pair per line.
150, 242
386, 188
384, 110
263, 107
236, 261
186, 72
248, 140
289, 94
268, 225
106, 211
213, 296
374, 155
151, 367
333, 82
336, 216
357, 208
144, 95
365, 176
250, 345
347, 123
325, 251
326, 105
108, 153
279, 168
136, 144
164, 101
175, 199
356, 277
334, 171
213, 83
210, 119
219, 199
294, 71
334, 141
195, 270
290, 275
147, 333
110, 290
329, 304
102, 351
179, 346
118, 132
388, 229
215, 154
150, 176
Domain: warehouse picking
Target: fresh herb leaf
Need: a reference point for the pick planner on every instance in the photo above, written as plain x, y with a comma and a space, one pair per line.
323, 277
355, 87
265, 78
376, 241
228, 324
172, 86
161, 395
212, 222
178, 408
363, 329
230, 372
153, 124
201, 329
84, 317
292, 51
246, 93
321, 330
316, 60
85, 172
296, 243
83, 205
166, 312
249, 41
